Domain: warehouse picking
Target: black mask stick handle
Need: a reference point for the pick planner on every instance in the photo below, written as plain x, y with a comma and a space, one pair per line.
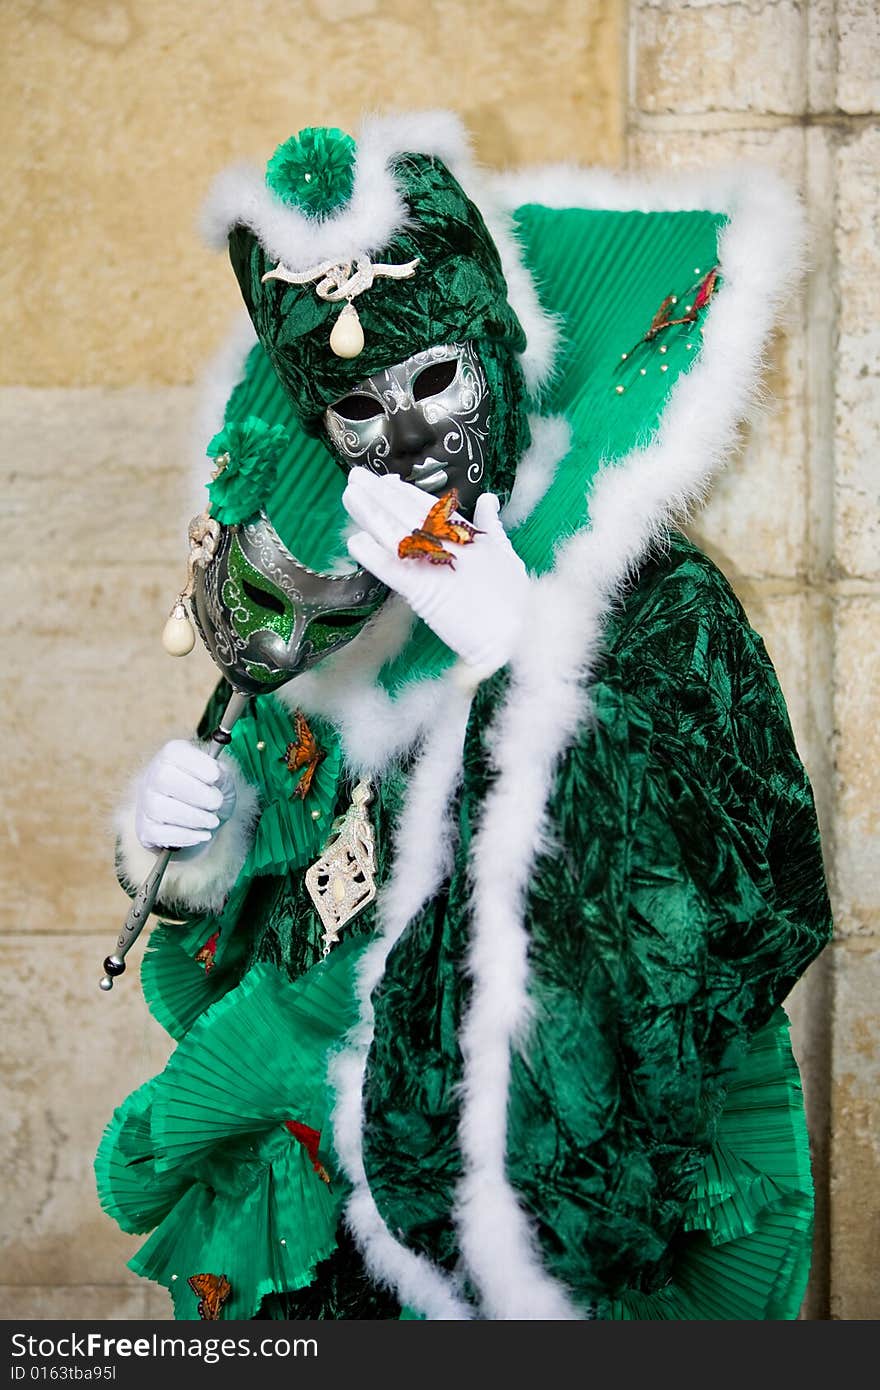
146, 895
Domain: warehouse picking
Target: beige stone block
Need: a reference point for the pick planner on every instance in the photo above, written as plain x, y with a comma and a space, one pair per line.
843, 49
821, 19
780, 148
820, 308
74, 1303
117, 116
858, 55
809, 1008
857, 765
857, 478
157, 1303
71, 1055
757, 511
703, 56
797, 632
107, 474
855, 1132
101, 478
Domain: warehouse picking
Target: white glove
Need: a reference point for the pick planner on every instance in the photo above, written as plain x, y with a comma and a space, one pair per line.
183, 797
478, 607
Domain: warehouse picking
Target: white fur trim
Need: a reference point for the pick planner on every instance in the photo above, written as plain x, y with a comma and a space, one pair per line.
373, 215
421, 862
376, 213
542, 712
551, 441
202, 882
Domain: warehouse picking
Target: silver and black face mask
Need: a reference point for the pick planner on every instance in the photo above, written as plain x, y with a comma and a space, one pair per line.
426, 419
265, 617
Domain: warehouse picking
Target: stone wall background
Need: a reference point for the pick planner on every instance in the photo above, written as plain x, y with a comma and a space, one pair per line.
114, 116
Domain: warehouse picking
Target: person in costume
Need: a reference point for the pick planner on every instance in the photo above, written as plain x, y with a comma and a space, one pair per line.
482, 923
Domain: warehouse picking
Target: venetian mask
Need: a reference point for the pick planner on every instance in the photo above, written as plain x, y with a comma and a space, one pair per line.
265, 617
426, 418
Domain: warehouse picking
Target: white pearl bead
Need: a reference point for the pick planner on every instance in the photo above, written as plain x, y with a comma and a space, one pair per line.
178, 634
347, 338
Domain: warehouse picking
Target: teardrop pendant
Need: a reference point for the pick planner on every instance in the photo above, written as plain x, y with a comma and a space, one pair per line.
178, 634
347, 338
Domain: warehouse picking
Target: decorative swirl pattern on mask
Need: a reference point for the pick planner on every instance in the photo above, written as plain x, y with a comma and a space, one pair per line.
453, 422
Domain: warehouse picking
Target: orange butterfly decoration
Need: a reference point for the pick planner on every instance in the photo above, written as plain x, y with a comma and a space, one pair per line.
425, 541
213, 1291
303, 752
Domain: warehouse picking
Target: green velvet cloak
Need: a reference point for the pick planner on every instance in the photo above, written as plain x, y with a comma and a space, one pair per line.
656, 1121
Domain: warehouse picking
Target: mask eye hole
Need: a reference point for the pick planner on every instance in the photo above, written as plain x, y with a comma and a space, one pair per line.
358, 407
262, 598
434, 379
341, 620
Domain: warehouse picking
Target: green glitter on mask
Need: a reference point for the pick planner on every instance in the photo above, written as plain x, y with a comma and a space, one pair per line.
247, 613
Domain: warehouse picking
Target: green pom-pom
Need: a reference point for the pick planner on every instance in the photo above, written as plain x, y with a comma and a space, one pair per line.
314, 170
248, 453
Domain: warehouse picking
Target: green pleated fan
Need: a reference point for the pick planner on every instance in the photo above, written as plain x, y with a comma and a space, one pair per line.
203, 1154
129, 1187
177, 987
264, 1220
258, 1057
744, 1250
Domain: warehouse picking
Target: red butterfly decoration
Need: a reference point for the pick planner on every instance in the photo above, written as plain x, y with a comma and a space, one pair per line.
662, 319
706, 291
213, 1291
425, 541
303, 753
310, 1139
205, 954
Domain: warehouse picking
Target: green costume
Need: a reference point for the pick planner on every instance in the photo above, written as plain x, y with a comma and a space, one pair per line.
547, 1073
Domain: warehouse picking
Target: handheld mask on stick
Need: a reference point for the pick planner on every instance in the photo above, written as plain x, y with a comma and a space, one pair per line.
264, 617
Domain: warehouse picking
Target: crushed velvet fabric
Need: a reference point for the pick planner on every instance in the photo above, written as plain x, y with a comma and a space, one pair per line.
684, 897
